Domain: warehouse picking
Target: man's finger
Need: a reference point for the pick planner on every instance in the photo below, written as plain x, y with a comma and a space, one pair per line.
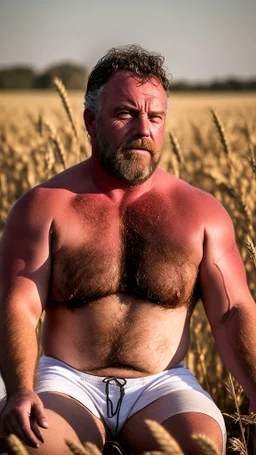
24, 425
40, 415
36, 429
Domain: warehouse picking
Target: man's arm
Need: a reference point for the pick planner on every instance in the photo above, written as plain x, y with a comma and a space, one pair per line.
228, 303
24, 281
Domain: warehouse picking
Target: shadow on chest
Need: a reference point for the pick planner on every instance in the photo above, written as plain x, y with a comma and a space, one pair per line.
141, 252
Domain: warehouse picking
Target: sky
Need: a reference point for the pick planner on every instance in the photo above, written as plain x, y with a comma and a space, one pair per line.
200, 40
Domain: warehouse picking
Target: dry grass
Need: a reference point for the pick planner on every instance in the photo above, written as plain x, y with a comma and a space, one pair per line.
39, 138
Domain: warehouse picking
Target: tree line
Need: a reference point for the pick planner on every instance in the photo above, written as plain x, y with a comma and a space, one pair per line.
75, 77
26, 78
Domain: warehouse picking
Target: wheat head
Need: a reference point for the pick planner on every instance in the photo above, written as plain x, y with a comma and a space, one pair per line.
206, 444
60, 87
76, 448
15, 445
166, 442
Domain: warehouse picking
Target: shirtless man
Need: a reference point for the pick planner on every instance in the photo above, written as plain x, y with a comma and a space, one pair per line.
117, 252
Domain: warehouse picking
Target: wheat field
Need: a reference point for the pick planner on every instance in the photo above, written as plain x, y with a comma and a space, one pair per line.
210, 142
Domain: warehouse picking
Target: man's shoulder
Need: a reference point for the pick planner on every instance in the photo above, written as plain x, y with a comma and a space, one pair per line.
190, 197
69, 180
42, 203
60, 186
181, 187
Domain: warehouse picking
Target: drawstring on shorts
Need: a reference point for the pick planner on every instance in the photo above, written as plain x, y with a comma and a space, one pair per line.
110, 409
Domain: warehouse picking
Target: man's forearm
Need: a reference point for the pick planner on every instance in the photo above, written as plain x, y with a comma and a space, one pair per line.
236, 342
18, 351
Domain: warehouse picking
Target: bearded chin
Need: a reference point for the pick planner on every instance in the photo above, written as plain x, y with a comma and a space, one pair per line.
131, 172
129, 169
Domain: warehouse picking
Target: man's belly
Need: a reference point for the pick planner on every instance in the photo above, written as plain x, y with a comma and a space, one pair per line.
117, 335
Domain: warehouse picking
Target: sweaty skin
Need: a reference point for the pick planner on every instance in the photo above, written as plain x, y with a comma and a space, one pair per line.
118, 268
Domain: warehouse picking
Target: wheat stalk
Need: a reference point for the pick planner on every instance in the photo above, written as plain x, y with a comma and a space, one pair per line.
57, 142
223, 140
65, 101
245, 419
60, 150
222, 135
76, 448
230, 387
174, 166
176, 148
154, 452
15, 445
206, 444
92, 449
233, 393
237, 445
251, 248
201, 358
40, 124
49, 160
252, 158
166, 442
177, 158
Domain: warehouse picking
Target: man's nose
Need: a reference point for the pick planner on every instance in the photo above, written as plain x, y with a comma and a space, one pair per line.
142, 126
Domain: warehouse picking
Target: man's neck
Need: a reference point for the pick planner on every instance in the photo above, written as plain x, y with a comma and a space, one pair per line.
113, 187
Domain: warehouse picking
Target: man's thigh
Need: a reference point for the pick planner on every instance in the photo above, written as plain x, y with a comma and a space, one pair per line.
181, 424
68, 420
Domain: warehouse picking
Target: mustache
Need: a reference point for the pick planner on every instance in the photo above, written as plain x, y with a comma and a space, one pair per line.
141, 143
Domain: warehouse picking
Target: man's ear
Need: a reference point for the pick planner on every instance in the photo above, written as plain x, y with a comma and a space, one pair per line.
90, 122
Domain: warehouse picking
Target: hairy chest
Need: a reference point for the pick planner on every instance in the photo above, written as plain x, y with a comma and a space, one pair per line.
148, 250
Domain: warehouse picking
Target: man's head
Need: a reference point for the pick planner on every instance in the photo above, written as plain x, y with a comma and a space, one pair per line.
125, 106
138, 61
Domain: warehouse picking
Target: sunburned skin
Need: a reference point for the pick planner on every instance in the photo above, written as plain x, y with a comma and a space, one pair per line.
234, 301
140, 262
116, 267
121, 264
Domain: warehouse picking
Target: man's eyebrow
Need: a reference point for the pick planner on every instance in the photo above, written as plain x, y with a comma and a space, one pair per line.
125, 106
155, 111
132, 108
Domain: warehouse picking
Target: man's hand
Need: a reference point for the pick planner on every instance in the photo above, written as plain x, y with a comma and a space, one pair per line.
23, 415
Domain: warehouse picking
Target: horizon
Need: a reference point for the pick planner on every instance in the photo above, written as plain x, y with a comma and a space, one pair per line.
211, 80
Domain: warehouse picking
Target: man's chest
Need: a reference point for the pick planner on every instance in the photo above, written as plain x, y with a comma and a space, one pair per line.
145, 250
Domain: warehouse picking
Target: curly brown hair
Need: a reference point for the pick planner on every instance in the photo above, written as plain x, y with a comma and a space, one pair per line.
133, 58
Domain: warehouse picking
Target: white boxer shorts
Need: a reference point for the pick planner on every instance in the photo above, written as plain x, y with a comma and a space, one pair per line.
114, 400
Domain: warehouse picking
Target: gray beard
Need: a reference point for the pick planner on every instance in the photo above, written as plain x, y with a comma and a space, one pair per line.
127, 167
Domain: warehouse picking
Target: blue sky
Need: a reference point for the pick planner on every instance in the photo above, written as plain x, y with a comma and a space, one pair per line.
200, 39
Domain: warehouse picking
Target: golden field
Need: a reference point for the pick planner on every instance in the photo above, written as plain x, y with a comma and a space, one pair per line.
39, 136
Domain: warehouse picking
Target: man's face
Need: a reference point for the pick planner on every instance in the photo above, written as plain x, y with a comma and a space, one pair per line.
130, 128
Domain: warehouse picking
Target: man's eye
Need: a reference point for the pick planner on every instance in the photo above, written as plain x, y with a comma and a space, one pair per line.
156, 118
124, 114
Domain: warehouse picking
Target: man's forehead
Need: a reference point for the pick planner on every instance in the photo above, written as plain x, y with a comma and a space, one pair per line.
126, 85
